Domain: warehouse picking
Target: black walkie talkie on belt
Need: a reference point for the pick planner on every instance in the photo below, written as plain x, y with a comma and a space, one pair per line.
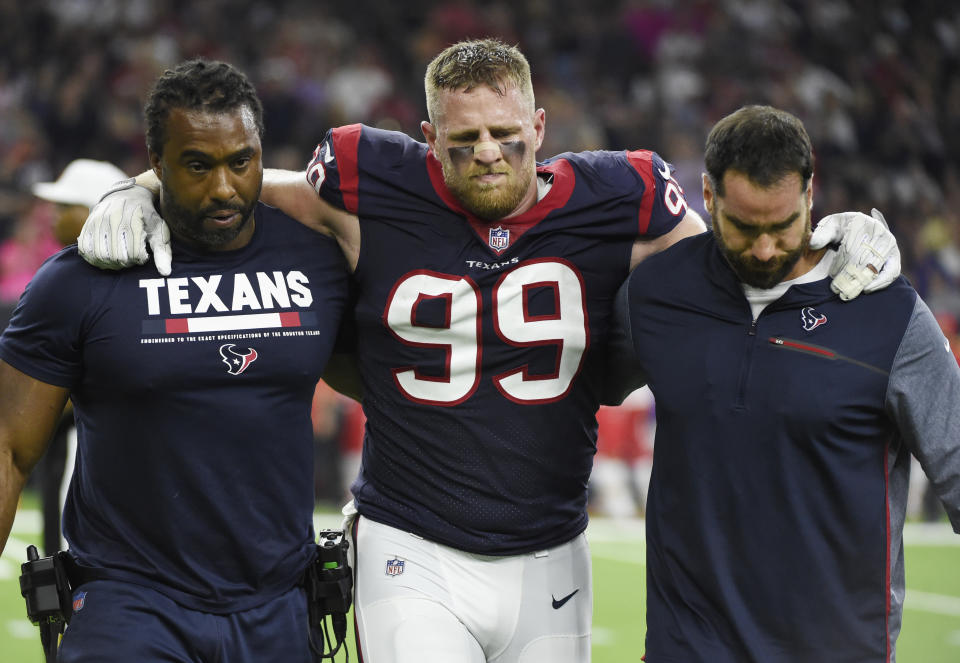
329, 585
45, 588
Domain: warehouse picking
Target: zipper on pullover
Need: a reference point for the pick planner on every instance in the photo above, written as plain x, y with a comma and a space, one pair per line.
741, 397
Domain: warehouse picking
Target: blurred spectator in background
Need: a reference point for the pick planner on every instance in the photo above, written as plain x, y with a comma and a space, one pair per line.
30, 243
77, 189
73, 194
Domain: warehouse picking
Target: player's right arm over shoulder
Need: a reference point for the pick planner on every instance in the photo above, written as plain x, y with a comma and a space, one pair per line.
119, 227
291, 192
29, 412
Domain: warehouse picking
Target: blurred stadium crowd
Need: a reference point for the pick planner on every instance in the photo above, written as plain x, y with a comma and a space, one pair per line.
877, 83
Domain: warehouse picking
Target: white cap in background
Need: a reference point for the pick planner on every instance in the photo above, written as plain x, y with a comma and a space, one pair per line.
82, 182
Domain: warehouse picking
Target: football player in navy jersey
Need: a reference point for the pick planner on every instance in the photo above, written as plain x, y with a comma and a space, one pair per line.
485, 281
189, 516
785, 422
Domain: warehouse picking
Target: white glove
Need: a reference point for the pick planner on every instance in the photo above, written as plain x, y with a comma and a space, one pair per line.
119, 227
867, 256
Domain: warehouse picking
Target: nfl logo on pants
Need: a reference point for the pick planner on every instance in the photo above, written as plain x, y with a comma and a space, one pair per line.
394, 567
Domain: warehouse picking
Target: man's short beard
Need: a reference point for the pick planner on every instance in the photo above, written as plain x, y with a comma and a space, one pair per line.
760, 275
188, 224
764, 275
490, 204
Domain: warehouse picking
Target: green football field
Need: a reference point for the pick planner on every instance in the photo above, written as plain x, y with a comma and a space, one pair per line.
931, 622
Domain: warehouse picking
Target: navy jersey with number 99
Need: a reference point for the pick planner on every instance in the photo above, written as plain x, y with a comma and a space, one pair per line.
479, 341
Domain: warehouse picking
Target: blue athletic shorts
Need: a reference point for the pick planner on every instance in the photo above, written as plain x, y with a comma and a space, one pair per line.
119, 622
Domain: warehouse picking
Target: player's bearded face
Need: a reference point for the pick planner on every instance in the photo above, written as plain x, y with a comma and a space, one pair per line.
490, 190
486, 140
762, 232
210, 176
766, 274
194, 224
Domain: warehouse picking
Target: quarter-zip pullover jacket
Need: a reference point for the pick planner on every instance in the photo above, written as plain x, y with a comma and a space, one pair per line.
782, 455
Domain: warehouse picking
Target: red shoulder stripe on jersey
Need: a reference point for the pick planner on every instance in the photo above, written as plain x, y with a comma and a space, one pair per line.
642, 162
345, 145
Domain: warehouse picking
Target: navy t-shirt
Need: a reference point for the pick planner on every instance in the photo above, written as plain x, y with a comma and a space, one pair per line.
477, 340
192, 396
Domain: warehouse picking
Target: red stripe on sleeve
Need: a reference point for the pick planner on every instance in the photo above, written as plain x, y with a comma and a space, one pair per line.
345, 145
642, 161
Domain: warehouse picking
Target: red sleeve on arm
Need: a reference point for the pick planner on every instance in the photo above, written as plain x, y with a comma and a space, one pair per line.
346, 141
642, 162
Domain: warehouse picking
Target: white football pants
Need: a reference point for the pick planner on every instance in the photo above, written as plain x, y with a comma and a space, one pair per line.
421, 602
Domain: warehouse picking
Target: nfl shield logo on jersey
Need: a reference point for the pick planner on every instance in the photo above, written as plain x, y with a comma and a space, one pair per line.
394, 567
78, 600
499, 238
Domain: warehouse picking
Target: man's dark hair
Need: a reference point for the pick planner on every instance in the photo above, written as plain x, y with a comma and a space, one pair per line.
764, 143
204, 85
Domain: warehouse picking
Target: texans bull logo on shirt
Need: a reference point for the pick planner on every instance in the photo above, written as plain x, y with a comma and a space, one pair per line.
811, 319
237, 362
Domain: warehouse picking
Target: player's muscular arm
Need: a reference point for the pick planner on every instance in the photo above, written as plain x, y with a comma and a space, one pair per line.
29, 412
289, 191
691, 224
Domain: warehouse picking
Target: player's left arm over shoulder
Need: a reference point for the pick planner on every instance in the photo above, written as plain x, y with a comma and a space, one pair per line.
923, 398
663, 198
691, 224
29, 412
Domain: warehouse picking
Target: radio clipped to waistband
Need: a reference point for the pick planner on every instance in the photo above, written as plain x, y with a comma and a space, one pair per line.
329, 585
46, 589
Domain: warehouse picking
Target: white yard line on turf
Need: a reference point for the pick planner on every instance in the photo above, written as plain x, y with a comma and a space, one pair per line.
936, 603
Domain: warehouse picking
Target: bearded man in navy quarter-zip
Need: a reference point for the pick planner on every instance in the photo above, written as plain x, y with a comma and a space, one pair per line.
785, 422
